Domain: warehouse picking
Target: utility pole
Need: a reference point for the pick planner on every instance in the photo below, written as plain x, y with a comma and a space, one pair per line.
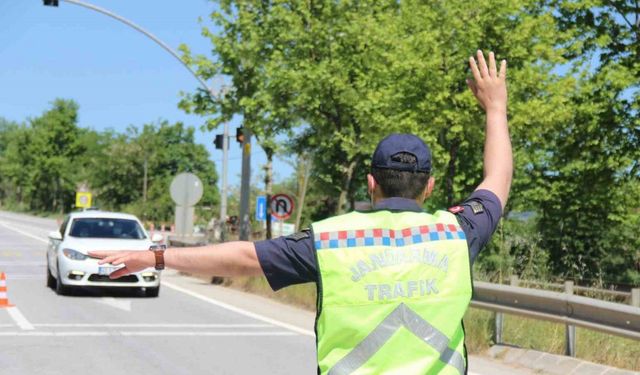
223, 196
245, 188
145, 168
268, 187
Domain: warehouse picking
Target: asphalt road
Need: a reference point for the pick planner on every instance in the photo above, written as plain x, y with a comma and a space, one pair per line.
192, 328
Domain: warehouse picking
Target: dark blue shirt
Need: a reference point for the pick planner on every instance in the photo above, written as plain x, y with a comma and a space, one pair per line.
292, 259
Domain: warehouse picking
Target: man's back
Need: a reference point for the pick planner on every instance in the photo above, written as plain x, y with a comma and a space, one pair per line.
392, 282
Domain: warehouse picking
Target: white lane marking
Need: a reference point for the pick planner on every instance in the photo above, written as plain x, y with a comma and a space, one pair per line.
23, 263
10, 227
225, 334
20, 320
146, 325
147, 334
41, 333
24, 277
239, 310
124, 305
42, 227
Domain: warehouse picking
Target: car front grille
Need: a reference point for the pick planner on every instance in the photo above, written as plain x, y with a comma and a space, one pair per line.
105, 279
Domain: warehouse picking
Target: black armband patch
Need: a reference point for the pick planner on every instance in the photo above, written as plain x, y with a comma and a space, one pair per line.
299, 236
476, 207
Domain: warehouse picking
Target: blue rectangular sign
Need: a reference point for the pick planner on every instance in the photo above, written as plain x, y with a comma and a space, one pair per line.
261, 208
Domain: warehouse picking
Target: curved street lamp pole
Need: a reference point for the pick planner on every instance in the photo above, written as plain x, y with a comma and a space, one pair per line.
143, 31
225, 157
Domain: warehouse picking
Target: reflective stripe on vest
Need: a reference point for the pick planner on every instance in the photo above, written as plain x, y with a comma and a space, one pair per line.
393, 290
402, 316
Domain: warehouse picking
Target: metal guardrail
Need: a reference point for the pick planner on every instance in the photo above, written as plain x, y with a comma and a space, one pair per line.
571, 310
609, 293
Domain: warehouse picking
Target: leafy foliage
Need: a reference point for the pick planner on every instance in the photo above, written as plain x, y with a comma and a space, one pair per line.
44, 162
337, 76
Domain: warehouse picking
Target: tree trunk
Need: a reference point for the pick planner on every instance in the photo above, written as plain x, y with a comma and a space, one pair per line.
304, 169
451, 171
268, 186
144, 180
346, 183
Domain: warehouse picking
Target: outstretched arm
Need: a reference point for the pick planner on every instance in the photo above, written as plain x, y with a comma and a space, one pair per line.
228, 259
490, 88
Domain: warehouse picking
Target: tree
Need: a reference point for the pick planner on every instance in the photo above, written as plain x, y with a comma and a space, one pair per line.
350, 72
40, 160
242, 55
591, 166
42, 164
9, 137
170, 150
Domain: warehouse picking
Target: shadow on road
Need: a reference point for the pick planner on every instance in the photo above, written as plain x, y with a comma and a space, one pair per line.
117, 292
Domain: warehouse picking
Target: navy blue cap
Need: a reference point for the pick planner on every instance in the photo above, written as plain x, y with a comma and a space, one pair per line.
396, 143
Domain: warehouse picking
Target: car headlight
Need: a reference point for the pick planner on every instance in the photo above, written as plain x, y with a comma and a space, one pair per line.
73, 254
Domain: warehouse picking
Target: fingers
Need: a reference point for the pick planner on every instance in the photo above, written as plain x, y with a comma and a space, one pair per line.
108, 256
484, 71
100, 254
480, 70
107, 259
474, 69
113, 259
119, 273
472, 86
492, 65
118, 261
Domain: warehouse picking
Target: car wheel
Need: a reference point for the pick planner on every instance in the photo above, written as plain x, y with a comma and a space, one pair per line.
61, 289
152, 292
51, 281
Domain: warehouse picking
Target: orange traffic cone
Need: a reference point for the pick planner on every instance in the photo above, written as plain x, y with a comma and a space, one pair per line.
4, 300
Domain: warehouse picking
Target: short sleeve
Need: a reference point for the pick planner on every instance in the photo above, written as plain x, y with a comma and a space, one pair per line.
478, 216
288, 260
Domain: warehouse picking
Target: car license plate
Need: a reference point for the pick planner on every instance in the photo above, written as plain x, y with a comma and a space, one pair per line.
106, 270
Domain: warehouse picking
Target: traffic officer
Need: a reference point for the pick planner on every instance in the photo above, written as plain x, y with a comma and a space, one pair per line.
394, 282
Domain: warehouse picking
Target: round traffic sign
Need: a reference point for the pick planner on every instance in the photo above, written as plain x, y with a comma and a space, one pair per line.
281, 206
186, 189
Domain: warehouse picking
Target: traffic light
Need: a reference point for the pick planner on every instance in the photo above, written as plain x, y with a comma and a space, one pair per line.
219, 142
240, 135
50, 3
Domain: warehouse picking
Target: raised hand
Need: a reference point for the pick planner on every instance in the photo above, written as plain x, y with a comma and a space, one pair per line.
488, 85
133, 261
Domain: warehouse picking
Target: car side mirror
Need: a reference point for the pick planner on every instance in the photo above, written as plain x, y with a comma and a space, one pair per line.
157, 237
55, 235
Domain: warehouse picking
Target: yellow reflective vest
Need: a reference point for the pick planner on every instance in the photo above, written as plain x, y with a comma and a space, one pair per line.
393, 288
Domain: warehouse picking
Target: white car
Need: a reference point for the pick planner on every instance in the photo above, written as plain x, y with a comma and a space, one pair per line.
69, 266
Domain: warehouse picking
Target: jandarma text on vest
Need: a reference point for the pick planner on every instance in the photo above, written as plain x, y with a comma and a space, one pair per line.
393, 257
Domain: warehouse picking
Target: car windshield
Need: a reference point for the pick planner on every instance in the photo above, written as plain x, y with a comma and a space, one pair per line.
106, 228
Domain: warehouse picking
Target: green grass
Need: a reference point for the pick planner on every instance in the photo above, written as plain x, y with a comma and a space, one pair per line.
525, 333
548, 337
302, 295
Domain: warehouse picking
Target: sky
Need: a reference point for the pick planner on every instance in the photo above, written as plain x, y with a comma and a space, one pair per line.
118, 76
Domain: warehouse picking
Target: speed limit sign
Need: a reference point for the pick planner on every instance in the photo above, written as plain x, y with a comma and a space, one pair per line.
281, 206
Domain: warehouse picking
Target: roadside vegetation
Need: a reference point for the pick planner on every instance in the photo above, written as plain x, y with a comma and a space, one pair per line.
46, 159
